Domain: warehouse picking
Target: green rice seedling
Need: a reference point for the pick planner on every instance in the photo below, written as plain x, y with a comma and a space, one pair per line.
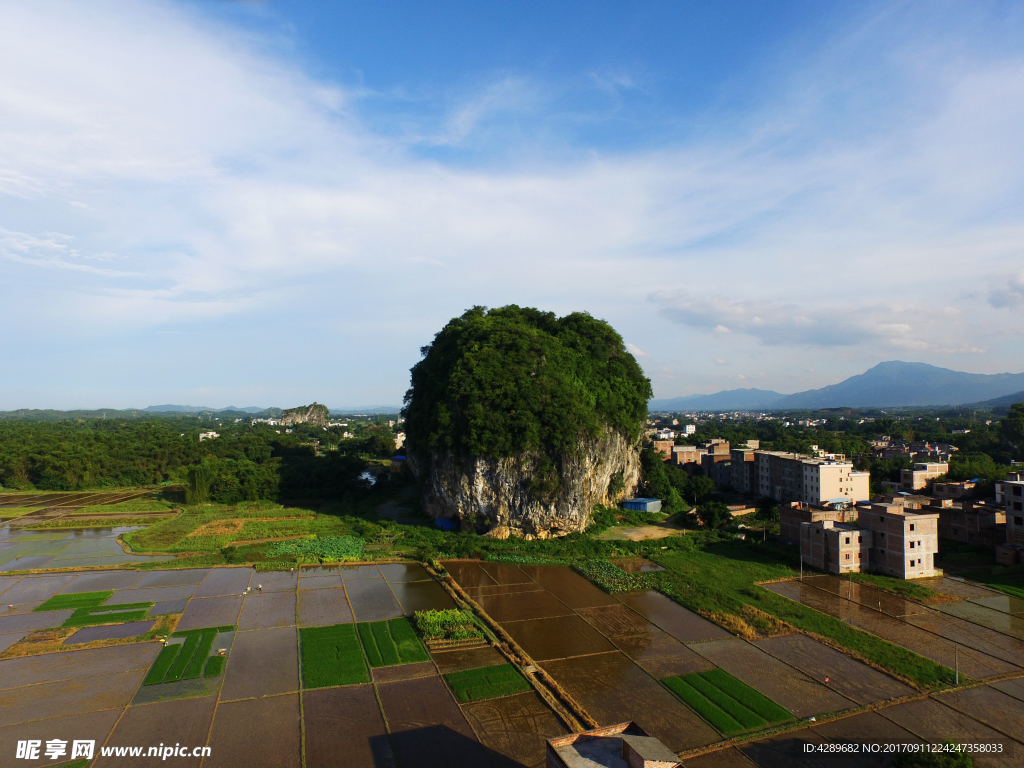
163, 663
195, 667
331, 656
188, 649
385, 643
75, 600
486, 683
752, 699
214, 666
697, 701
111, 614
737, 711
373, 654
409, 647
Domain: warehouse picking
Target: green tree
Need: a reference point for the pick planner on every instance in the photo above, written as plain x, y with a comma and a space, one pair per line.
1013, 426
713, 514
951, 759
700, 488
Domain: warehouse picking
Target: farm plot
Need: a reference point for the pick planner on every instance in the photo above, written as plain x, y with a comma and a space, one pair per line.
617, 621
935, 722
456, 661
404, 672
1002, 603
387, 643
210, 612
345, 729
372, 600
568, 586
848, 676
558, 638
428, 729
486, 683
173, 578
69, 697
728, 704
421, 596
188, 659
224, 581
262, 663
266, 727
401, 573
35, 588
274, 609
108, 580
332, 656
323, 607
91, 662
614, 689
682, 624
468, 574
519, 606
661, 655
1005, 623
515, 726
170, 722
792, 689
110, 632
504, 573
88, 609
989, 706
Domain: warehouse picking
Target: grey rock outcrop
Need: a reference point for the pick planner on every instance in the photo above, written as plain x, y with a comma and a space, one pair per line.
499, 489
306, 414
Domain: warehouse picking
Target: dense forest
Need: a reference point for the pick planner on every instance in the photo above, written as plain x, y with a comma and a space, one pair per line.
506, 381
246, 462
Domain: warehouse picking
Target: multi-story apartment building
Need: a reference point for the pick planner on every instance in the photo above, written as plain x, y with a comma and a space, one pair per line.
904, 541
687, 455
835, 547
793, 515
974, 522
743, 471
924, 472
792, 477
1012, 552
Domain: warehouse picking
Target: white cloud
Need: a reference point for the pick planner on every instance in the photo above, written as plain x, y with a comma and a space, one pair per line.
196, 178
637, 352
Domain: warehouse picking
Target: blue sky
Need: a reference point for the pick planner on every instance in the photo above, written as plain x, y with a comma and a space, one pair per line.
270, 203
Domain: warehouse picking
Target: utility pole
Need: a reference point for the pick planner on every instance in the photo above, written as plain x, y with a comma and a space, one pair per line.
956, 663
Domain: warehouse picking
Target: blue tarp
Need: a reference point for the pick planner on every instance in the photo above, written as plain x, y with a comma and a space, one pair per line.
445, 523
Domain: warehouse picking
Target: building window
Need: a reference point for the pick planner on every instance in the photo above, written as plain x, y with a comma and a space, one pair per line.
911, 562
847, 556
911, 526
911, 545
1018, 520
847, 539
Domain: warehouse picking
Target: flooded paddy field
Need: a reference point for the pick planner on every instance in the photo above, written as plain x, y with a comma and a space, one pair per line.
516, 726
990, 706
971, 662
849, 677
344, 727
67, 548
323, 607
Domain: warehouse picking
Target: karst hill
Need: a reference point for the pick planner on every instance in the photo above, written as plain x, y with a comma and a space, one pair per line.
519, 422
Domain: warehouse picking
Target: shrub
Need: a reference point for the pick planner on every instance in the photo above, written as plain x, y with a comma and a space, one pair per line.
614, 580
448, 624
332, 549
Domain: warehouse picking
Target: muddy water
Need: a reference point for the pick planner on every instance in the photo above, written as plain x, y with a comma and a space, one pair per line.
617, 621
504, 573
503, 589
515, 726
421, 596
568, 586
519, 606
344, 728
267, 728
972, 663
989, 706
965, 590
557, 638
456, 661
661, 655
1002, 603
613, 689
468, 574
1004, 623
638, 565
673, 618
323, 607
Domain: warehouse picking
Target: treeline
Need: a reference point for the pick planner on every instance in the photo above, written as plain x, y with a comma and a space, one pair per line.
243, 463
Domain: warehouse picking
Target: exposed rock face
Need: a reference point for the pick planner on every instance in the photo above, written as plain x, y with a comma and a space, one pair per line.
499, 489
306, 414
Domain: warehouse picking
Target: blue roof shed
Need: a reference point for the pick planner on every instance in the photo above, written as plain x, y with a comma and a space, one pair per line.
643, 505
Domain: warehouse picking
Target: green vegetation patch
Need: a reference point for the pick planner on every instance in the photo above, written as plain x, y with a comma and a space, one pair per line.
614, 580
728, 704
90, 616
332, 656
74, 600
486, 683
109, 522
332, 549
388, 643
901, 587
1007, 579
188, 660
214, 666
447, 624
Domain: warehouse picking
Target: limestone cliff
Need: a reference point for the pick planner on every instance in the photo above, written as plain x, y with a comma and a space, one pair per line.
500, 490
306, 414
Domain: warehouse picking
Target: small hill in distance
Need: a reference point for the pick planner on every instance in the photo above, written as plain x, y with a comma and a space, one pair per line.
202, 409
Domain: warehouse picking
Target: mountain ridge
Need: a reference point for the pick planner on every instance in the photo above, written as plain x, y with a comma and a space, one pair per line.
893, 383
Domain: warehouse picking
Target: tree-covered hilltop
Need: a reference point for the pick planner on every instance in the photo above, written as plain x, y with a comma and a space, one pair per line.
502, 382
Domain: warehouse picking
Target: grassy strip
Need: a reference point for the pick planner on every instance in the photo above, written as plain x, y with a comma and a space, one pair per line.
900, 587
116, 522
1007, 579
214, 666
215, 630
188, 650
699, 703
75, 600
745, 716
163, 662
195, 667
331, 656
117, 614
486, 683
749, 697
388, 643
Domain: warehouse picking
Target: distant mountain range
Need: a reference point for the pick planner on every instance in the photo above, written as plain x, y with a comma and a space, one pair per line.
889, 384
